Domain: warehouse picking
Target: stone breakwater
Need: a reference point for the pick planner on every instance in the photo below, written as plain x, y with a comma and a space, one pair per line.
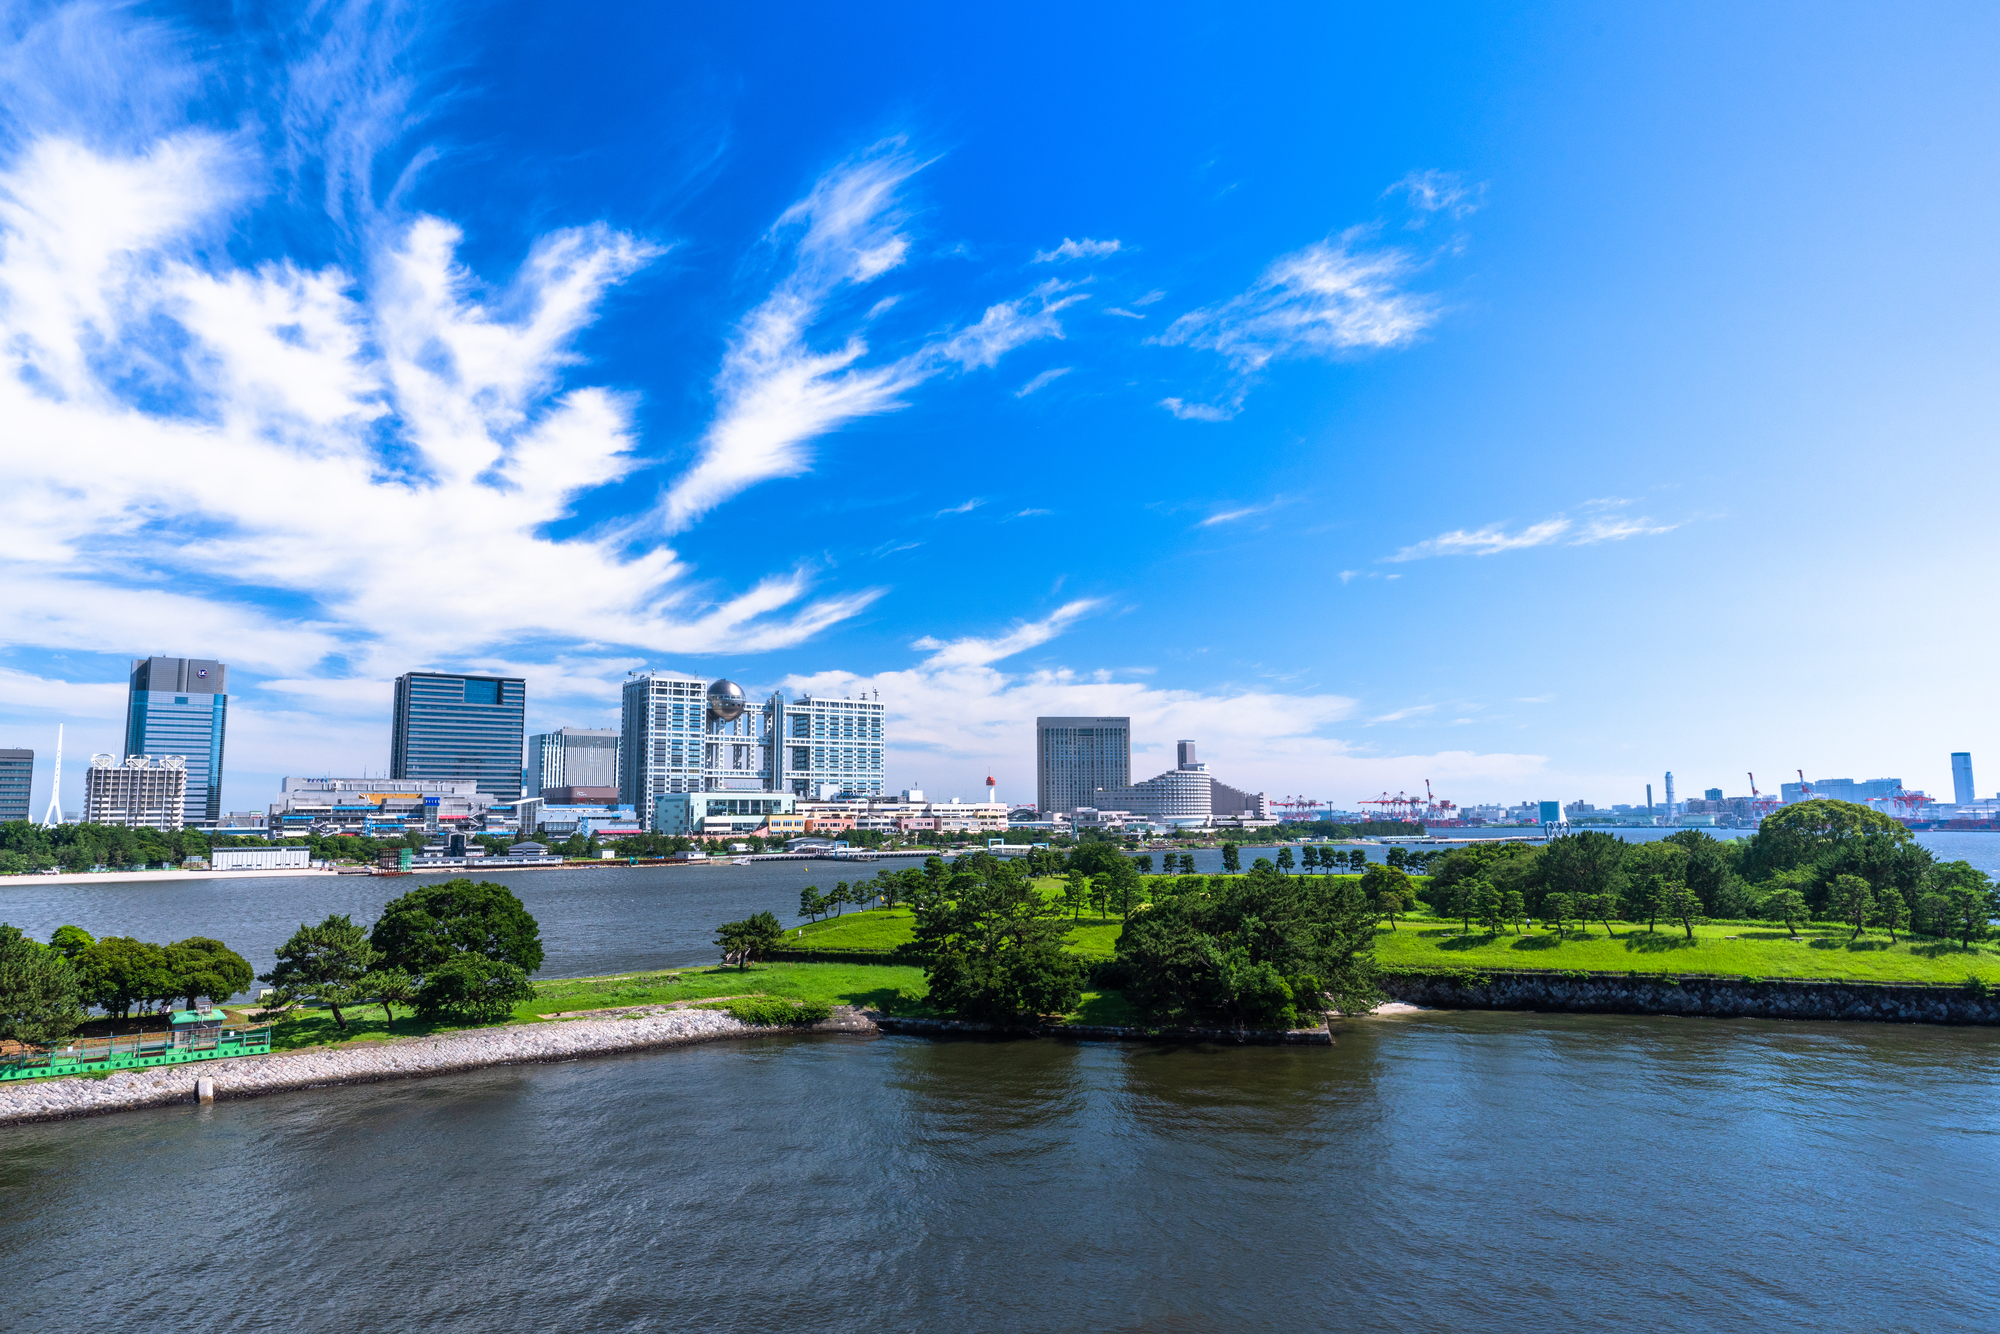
375, 1062
1712, 997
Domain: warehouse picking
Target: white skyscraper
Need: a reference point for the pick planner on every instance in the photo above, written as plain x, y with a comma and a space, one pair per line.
1961, 778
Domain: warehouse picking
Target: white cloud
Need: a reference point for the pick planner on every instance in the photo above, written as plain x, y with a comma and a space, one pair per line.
1230, 516
1443, 192
1120, 310
1324, 300
1043, 380
1495, 539
965, 508
1199, 412
956, 716
977, 652
1084, 249
776, 393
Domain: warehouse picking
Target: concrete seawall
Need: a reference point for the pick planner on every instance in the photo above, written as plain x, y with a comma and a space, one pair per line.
1707, 996
375, 1062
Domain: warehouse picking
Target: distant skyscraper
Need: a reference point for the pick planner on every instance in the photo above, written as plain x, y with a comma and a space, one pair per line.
451, 726
572, 757
1671, 812
17, 771
1076, 756
1961, 777
180, 706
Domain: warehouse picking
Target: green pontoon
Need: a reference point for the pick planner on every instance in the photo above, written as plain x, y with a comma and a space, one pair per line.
193, 1035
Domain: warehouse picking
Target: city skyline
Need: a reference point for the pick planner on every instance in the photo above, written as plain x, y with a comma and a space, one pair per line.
1484, 417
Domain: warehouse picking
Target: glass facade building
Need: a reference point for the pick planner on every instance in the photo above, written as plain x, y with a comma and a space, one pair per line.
180, 706
1074, 757
17, 771
451, 726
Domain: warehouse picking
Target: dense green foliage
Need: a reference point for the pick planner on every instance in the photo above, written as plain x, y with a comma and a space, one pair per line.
324, 964
200, 967
750, 940
993, 944
1261, 950
772, 1010
432, 923
41, 995
474, 988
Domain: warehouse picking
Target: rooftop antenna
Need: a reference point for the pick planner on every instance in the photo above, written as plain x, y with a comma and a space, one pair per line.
54, 817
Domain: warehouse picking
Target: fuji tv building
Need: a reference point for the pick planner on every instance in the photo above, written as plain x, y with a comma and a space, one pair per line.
681, 733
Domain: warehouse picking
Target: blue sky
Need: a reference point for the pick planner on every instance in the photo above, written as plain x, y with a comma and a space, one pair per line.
1530, 399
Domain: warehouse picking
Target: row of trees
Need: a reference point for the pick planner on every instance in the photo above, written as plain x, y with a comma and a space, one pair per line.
456, 949
1825, 860
45, 990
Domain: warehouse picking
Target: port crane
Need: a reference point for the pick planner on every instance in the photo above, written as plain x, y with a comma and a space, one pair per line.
1400, 808
1438, 811
1298, 810
1805, 788
1761, 805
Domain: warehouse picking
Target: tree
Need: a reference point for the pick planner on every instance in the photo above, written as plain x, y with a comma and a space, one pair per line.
1284, 861
1891, 909
1309, 857
811, 905
430, 924
1851, 900
1556, 910
119, 971
1464, 900
995, 946
1383, 885
1683, 905
1961, 902
1802, 832
41, 996
1514, 908
745, 942
842, 895
1232, 860
1579, 865
1145, 864
1487, 906
70, 941
388, 987
1786, 904
474, 987
323, 963
200, 966
1076, 893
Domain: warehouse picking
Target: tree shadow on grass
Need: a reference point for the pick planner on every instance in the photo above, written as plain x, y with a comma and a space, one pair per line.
1540, 942
1934, 949
1864, 944
1471, 942
1657, 942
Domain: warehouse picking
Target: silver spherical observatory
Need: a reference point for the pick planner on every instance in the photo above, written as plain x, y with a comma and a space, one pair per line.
725, 701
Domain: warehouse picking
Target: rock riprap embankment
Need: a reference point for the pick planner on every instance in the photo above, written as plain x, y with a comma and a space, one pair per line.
364, 1063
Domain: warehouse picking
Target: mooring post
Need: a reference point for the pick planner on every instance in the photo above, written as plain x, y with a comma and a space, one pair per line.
204, 1090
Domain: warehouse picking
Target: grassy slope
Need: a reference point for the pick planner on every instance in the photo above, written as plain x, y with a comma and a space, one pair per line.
883, 930
1759, 949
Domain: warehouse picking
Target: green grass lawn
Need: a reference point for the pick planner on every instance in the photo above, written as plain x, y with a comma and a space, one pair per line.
884, 930
1741, 949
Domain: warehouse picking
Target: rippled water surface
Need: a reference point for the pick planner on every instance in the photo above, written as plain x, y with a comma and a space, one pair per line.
1435, 1172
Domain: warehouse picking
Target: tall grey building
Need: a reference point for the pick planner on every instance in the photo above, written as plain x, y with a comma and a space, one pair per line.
682, 733
1074, 757
1961, 778
572, 757
17, 772
452, 726
180, 706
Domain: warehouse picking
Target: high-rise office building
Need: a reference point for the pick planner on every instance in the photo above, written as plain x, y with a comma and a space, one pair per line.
1961, 778
681, 733
140, 791
452, 726
1074, 757
17, 773
572, 757
180, 706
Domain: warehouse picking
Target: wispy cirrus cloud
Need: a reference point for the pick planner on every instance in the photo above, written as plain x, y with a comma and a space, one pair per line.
974, 652
1084, 249
1232, 515
965, 507
1043, 381
1606, 524
1201, 412
1434, 192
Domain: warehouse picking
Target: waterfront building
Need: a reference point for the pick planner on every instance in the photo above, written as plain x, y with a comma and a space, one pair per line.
1075, 757
17, 773
180, 706
591, 821
572, 757
1842, 789
689, 814
136, 792
380, 807
451, 726
1186, 795
1961, 778
682, 734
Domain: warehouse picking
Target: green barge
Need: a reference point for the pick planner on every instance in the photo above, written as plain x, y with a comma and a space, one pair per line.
194, 1035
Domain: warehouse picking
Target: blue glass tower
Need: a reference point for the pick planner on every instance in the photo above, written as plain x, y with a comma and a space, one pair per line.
449, 726
180, 706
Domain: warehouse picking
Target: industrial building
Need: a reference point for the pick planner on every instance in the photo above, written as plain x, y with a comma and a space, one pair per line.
17, 774
136, 792
179, 707
1075, 758
683, 734
1842, 789
573, 758
450, 726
